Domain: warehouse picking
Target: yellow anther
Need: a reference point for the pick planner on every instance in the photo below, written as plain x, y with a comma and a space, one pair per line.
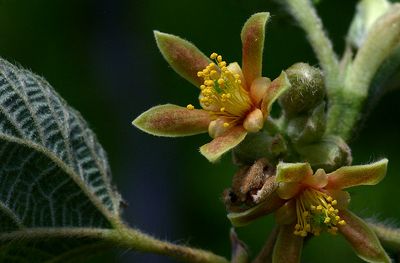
337, 218
329, 199
222, 64
319, 207
213, 55
213, 74
238, 81
226, 125
327, 220
237, 76
222, 109
308, 228
190, 107
209, 82
342, 222
334, 202
331, 209
228, 95
219, 58
297, 227
202, 87
200, 74
305, 213
221, 81
312, 207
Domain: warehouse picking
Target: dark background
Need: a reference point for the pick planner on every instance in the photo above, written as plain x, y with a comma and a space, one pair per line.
102, 58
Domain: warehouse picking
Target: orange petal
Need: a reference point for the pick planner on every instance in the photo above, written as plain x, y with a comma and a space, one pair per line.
318, 180
348, 176
258, 89
253, 35
288, 246
184, 57
274, 90
361, 237
220, 145
172, 121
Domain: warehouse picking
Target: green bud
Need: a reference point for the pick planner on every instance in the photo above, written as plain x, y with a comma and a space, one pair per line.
259, 145
307, 90
306, 129
330, 153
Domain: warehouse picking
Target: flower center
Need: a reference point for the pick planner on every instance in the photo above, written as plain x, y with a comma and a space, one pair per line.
316, 212
222, 93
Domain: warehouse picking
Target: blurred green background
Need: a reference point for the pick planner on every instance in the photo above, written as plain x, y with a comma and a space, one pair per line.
102, 58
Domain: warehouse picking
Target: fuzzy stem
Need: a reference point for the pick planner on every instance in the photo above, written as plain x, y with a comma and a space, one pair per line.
126, 237
305, 14
389, 237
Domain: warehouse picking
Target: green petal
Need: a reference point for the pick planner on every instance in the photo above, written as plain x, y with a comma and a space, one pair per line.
220, 145
272, 203
253, 35
274, 90
288, 246
292, 172
348, 176
172, 121
363, 240
184, 57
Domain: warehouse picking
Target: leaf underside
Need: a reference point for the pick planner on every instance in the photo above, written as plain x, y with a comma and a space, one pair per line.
53, 174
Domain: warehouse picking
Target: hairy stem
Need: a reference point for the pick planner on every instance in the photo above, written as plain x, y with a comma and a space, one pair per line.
389, 237
129, 238
305, 14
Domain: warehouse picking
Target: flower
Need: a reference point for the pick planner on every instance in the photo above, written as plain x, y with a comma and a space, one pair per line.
234, 100
307, 203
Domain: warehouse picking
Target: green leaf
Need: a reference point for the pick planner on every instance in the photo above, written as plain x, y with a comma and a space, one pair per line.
55, 193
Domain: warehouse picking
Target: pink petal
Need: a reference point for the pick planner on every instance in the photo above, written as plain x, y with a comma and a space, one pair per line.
288, 246
318, 180
220, 145
363, 240
172, 121
348, 176
253, 35
274, 90
184, 57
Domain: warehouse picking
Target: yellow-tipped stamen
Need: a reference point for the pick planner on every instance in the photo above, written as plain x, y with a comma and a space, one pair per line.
315, 213
222, 93
190, 107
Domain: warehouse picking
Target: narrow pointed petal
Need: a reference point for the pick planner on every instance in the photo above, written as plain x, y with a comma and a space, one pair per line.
272, 203
348, 176
287, 246
292, 172
184, 57
220, 145
253, 35
172, 121
361, 237
274, 90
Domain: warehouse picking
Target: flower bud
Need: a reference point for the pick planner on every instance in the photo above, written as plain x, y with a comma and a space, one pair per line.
330, 153
259, 145
307, 89
308, 128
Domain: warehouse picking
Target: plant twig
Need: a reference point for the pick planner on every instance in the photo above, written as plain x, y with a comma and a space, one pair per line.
126, 237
